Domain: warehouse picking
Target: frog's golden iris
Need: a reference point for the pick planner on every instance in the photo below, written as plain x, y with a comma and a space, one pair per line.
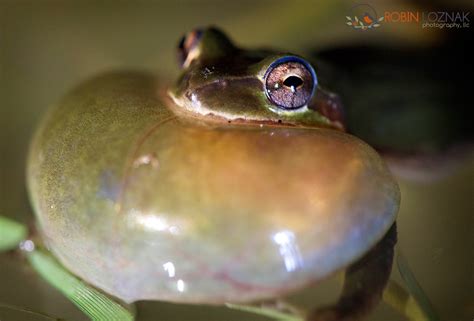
290, 82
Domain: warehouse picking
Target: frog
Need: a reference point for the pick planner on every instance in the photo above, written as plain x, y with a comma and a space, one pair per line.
236, 183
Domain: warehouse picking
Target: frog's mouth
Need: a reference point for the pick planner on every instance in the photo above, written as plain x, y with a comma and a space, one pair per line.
245, 103
302, 117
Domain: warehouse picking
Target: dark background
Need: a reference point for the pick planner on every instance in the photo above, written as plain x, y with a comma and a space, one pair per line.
47, 47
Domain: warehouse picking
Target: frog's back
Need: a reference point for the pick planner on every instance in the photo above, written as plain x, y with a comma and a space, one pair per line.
147, 206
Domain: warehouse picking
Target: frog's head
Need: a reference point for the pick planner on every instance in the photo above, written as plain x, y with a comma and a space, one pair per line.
225, 83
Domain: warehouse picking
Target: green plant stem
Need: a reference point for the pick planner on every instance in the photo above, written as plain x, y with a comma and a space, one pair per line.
11, 234
267, 312
96, 305
415, 289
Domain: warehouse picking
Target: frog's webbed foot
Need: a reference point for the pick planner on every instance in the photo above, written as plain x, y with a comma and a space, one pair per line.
364, 284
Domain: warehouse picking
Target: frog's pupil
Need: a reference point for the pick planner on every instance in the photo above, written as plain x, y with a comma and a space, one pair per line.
293, 81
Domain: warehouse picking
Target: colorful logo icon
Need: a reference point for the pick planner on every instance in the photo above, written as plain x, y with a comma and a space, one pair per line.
363, 17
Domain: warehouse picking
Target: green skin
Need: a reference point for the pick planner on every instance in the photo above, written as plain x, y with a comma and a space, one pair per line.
146, 198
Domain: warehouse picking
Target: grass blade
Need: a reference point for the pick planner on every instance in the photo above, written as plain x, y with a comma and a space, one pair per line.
415, 289
10, 309
267, 312
95, 304
11, 233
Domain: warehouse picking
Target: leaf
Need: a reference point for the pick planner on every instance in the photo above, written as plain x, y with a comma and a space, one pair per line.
415, 288
362, 24
356, 19
25, 313
375, 25
348, 18
95, 304
399, 299
11, 233
349, 23
267, 312
381, 19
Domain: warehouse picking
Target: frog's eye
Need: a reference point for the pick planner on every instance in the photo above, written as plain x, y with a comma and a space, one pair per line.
188, 49
290, 82
205, 44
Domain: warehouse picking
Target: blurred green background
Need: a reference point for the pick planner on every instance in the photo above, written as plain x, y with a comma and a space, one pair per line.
47, 47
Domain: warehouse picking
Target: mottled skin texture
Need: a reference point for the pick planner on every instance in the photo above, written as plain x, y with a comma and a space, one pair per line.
147, 202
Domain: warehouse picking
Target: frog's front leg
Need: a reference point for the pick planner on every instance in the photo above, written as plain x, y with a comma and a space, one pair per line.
364, 283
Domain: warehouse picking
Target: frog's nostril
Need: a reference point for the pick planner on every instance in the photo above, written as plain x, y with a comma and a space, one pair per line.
293, 82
